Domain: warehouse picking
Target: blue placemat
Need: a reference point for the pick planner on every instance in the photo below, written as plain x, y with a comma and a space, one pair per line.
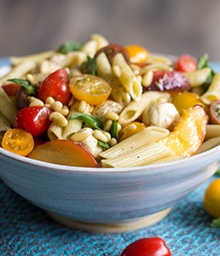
27, 230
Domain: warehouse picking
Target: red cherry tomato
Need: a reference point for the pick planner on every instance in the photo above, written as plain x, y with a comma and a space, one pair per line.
56, 86
34, 119
186, 63
151, 246
11, 89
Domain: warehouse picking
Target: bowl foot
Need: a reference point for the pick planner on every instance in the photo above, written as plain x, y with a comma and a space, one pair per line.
113, 227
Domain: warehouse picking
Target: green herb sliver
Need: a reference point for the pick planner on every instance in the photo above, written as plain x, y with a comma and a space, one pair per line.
69, 47
90, 120
24, 83
216, 223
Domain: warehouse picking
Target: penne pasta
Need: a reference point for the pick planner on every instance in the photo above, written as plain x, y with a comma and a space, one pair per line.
7, 106
19, 71
74, 125
127, 76
140, 156
146, 136
213, 92
198, 77
104, 70
136, 108
212, 131
55, 132
208, 144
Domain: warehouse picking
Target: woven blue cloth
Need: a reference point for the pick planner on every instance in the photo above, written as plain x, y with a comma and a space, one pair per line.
27, 230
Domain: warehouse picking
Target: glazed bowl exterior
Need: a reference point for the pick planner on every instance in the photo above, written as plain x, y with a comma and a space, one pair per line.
105, 196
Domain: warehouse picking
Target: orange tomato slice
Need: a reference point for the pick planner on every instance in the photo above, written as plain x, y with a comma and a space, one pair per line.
137, 53
92, 89
18, 141
64, 152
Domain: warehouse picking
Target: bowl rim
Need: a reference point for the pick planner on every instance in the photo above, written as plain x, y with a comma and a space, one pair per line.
102, 170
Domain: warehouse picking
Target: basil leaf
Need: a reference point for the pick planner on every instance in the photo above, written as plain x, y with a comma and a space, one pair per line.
203, 62
69, 47
103, 144
114, 129
90, 120
89, 66
216, 223
24, 83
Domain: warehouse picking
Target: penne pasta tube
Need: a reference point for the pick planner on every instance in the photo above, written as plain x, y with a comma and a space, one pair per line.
7, 106
136, 108
198, 77
212, 131
19, 71
55, 132
104, 70
127, 76
146, 136
213, 92
208, 144
34, 57
74, 125
140, 156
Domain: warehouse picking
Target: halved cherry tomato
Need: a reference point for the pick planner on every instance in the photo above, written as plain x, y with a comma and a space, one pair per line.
150, 246
18, 141
186, 63
215, 112
65, 152
111, 50
92, 89
137, 53
11, 89
33, 119
56, 86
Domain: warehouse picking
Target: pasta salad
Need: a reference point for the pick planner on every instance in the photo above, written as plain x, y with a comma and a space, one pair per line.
107, 105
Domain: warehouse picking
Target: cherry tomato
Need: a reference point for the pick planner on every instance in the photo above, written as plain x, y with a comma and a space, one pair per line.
69, 153
215, 112
33, 119
92, 89
11, 89
186, 63
111, 50
151, 246
137, 53
18, 141
212, 198
56, 86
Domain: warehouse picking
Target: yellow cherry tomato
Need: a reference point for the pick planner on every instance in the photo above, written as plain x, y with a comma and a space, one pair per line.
92, 89
212, 198
185, 100
18, 141
130, 129
137, 53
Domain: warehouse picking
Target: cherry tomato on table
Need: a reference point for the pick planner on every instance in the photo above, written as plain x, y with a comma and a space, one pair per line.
56, 86
150, 246
18, 141
92, 89
33, 119
186, 63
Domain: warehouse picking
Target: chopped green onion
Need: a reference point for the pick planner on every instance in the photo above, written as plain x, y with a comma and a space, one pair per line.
114, 129
103, 144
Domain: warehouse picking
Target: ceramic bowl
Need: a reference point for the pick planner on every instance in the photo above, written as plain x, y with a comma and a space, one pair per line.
106, 199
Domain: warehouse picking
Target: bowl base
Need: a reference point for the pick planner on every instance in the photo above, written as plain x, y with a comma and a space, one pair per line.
113, 227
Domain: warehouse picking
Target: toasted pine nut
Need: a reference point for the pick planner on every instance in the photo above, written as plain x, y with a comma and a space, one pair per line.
107, 125
99, 135
111, 115
79, 136
35, 102
57, 105
147, 78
